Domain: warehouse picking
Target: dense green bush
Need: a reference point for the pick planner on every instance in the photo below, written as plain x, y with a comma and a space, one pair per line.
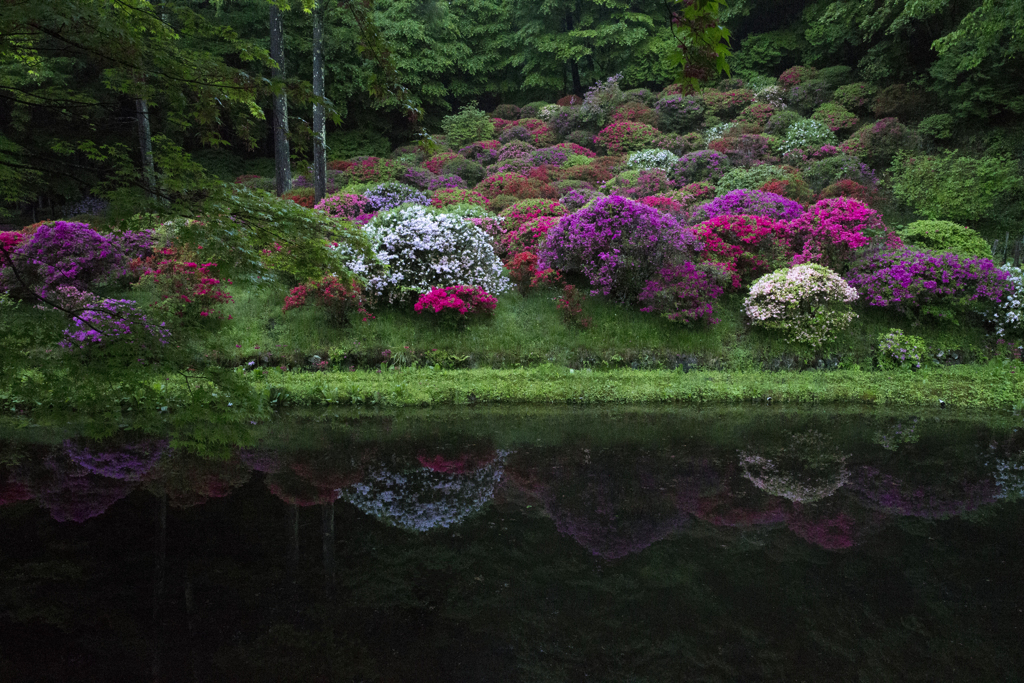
808, 96
856, 97
807, 134
905, 102
346, 144
469, 125
780, 122
679, 113
749, 178
835, 116
877, 143
957, 188
820, 173
937, 126
946, 236
467, 169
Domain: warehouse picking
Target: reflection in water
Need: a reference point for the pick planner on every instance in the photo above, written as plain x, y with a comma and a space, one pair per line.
644, 551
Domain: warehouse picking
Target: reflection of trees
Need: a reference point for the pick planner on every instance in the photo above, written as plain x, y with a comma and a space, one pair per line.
806, 469
188, 480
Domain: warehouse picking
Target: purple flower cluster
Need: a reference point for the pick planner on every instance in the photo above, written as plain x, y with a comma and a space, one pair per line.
107, 320
701, 165
126, 464
752, 203
941, 285
418, 177
443, 182
390, 195
548, 156
516, 150
576, 198
618, 244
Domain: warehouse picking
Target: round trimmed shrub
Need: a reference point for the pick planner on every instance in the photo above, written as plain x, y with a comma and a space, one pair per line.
435, 163
516, 149
683, 294
651, 158
423, 249
749, 178
583, 138
515, 133
820, 173
945, 236
453, 196
878, 143
780, 122
467, 169
516, 185
627, 136
758, 113
835, 116
753, 203
698, 166
344, 205
639, 183
855, 96
393, 194
808, 303
469, 125
506, 111
807, 134
832, 231
618, 244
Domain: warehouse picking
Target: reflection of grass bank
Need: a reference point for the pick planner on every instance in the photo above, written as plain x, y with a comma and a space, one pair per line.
978, 386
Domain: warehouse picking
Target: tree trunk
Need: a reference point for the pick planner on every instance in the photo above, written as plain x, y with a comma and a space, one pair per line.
282, 149
577, 87
319, 134
145, 145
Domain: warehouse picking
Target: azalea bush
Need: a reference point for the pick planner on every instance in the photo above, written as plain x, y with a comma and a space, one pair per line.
899, 350
651, 158
745, 246
945, 236
348, 206
699, 166
627, 136
806, 134
98, 321
1008, 315
808, 304
877, 143
185, 288
456, 304
418, 249
751, 202
683, 293
618, 244
640, 183
745, 149
339, 297
832, 230
393, 194
452, 195
515, 185
835, 116
917, 283
679, 113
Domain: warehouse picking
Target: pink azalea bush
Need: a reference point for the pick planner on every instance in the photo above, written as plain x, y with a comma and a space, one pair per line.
682, 293
808, 303
832, 231
457, 303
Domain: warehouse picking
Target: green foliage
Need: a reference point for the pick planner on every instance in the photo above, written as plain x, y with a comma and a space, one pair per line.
780, 122
856, 96
946, 236
899, 350
958, 188
347, 144
937, 126
835, 116
704, 42
749, 178
469, 125
807, 134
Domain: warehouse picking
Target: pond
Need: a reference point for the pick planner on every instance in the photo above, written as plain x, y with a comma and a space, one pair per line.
624, 545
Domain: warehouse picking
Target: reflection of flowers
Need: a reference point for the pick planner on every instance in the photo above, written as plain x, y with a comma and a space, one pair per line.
69, 491
934, 500
424, 499
896, 435
807, 469
127, 463
188, 480
831, 533
1009, 476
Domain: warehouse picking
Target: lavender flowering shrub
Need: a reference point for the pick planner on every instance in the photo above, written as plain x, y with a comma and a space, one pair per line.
393, 194
618, 244
700, 165
424, 249
549, 156
943, 286
752, 203
577, 198
418, 177
517, 149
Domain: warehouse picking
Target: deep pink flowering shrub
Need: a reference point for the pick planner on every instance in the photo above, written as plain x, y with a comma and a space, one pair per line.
795, 75
515, 185
343, 205
186, 289
10, 239
745, 246
71, 254
701, 165
339, 298
483, 152
527, 237
618, 244
455, 304
751, 202
682, 293
832, 231
367, 169
627, 136
666, 204
435, 163
942, 285
573, 148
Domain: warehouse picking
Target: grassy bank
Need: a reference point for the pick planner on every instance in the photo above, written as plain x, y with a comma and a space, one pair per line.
987, 387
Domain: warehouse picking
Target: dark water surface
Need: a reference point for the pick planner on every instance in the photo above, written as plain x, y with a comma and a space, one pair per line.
627, 546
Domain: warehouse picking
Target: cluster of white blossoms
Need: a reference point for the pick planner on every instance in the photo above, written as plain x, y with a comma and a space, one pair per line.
420, 248
807, 134
1009, 313
809, 303
651, 158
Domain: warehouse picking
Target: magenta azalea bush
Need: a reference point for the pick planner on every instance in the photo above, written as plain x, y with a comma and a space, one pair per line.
456, 303
618, 244
832, 231
939, 285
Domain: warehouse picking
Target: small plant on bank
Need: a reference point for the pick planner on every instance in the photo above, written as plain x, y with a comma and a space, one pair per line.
339, 298
570, 304
186, 289
899, 350
808, 303
683, 294
456, 305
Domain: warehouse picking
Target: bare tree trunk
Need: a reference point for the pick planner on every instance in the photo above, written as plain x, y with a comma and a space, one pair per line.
145, 145
319, 133
282, 149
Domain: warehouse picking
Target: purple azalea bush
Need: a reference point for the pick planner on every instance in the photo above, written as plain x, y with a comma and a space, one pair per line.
618, 244
701, 165
941, 285
393, 194
752, 203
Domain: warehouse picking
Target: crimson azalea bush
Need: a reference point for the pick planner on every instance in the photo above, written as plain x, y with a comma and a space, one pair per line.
528, 236
745, 246
435, 163
457, 303
527, 210
367, 169
942, 285
338, 297
186, 289
627, 136
618, 244
453, 195
682, 293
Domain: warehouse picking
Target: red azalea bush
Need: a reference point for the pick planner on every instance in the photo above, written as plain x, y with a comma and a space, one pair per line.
435, 163
457, 195
573, 148
627, 136
595, 173
744, 150
570, 305
303, 196
636, 111
639, 184
523, 270
795, 75
757, 113
186, 288
666, 204
726, 105
527, 210
370, 170
457, 303
682, 293
745, 246
515, 185
794, 187
528, 236
833, 230
851, 189
340, 298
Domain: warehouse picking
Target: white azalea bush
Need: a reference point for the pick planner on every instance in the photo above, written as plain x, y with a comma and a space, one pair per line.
651, 158
808, 135
421, 248
808, 303
1008, 316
